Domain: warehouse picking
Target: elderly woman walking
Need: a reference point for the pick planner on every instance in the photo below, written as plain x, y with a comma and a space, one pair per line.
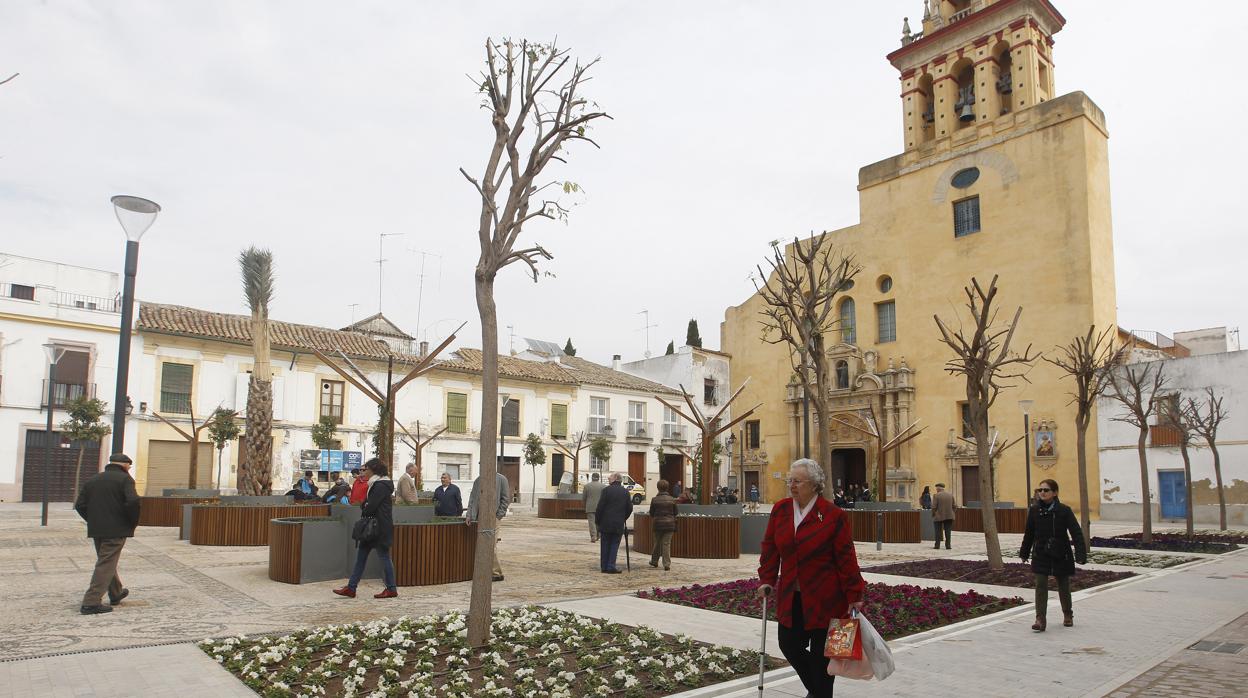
663, 526
1051, 530
810, 547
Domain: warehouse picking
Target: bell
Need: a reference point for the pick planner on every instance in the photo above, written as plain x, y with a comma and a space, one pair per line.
967, 113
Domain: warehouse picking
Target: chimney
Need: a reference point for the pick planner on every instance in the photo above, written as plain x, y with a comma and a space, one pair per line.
424, 349
615, 362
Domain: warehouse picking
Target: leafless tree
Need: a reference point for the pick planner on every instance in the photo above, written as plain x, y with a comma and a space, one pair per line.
536, 109
1088, 360
1173, 413
572, 449
1207, 415
193, 438
799, 294
983, 357
1136, 387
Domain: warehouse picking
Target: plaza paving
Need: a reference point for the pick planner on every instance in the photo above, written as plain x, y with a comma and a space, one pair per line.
1130, 638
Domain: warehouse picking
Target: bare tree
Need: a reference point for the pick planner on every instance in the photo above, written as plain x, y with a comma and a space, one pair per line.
193, 438
984, 359
534, 117
1173, 413
255, 472
1088, 360
799, 295
1206, 418
572, 449
1136, 388
710, 427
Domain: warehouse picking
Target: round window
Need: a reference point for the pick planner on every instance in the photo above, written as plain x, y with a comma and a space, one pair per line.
965, 178
886, 284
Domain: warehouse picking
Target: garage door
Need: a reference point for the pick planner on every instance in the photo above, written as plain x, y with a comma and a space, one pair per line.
64, 460
169, 464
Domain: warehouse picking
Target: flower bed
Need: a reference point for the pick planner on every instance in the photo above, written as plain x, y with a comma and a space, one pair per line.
1015, 574
1104, 557
895, 610
1198, 536
534, 652
1172, 545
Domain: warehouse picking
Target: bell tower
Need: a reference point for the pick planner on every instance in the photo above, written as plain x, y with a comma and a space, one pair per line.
974, 65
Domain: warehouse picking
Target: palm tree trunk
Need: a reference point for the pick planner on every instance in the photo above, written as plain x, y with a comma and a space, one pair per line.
480, 605
1217, 473
1081, 444
256, 477
1187, 485
1145, 491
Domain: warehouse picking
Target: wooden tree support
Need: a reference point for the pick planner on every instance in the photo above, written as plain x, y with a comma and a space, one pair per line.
193, 438
572, 450
710, 429
882, 446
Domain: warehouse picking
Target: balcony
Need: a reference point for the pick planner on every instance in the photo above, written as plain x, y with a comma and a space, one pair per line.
1163, 435
601, 426
175, 402
640, 431
78, 300
64, 393
674, 433
457, 424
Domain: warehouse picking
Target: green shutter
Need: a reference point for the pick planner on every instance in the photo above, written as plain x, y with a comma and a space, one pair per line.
559, 421
457, 412
175, 388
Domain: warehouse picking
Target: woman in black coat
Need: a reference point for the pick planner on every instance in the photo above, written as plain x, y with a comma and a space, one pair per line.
1051, 530
378, 504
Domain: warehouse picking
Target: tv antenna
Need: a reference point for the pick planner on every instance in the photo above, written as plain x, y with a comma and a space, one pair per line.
353, 306
646, 328
381, 260
511, 340
420, 287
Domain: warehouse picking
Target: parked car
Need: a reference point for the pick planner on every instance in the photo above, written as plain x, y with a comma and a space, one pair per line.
636, 490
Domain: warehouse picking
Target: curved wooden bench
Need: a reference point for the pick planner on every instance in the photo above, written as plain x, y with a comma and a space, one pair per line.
166, 511
243, 524
697, 537
972, 521
551, 508
899, 526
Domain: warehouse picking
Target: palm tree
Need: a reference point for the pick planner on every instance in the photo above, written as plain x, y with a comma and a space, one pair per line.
255, 472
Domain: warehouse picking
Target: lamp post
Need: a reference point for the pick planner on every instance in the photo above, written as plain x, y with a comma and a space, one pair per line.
1025, 406
503, 399
732, 441
54, 355
136, 215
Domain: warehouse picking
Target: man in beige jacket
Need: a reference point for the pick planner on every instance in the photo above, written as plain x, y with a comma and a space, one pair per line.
407, 491
942, 514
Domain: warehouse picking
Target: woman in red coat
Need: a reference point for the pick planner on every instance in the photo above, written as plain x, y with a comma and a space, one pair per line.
810, 547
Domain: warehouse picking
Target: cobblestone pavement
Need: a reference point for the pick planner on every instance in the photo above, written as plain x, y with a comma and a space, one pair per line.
1214, 666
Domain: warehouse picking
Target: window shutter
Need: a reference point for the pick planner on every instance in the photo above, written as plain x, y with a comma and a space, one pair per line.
457, 412
559, 421
242, 384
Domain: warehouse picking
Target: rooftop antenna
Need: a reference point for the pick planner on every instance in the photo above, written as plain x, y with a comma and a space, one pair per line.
381, 238
511, 340
353, 306
646, 327
420, 288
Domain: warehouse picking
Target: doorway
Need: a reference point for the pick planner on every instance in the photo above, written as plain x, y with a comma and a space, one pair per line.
672, 469
849, 467
510, 468
970, 484
637, 467
1173, 494
751, 480
64, 461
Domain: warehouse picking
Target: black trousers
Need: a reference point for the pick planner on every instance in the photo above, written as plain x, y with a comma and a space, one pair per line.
947, 527
804, 650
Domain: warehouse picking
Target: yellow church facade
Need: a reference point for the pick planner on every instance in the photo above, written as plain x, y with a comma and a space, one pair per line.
998, 177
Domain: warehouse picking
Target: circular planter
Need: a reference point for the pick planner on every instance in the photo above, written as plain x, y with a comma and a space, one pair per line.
166, 511
899, 526
550, 508
243, 524
697, 537
423, 553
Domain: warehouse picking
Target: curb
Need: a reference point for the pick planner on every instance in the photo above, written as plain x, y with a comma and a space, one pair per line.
737, 685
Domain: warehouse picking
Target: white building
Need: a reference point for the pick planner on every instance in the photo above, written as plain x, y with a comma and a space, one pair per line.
1186, 377
78, 310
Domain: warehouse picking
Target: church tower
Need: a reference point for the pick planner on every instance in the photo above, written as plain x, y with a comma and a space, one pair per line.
974, 64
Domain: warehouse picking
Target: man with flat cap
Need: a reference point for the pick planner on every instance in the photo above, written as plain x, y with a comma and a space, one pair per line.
109, 504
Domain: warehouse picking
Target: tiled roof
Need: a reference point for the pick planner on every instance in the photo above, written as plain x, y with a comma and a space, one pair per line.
589, 372
469, 361
377, 324
192, 322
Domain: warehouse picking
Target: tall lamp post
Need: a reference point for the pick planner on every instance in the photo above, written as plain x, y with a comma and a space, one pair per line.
1025, 406
136, 215
503, 399
54, 355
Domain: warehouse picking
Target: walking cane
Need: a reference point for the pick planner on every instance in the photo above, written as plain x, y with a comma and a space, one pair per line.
762, 651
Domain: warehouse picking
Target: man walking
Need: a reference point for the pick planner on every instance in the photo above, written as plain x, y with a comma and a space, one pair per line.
504, 501
592, 493
942, 515
614, 508
446, 499
407, 491
109, 504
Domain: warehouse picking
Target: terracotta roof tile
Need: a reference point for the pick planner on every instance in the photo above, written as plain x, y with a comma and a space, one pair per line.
595, 374
469, 361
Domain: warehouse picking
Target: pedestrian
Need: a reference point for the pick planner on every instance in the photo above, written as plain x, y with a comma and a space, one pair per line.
359, 486
942, 516
839, 499
503, 491
925, 499
677, 489
663, 513
307, 487
379, 504
614, 508
753, 497
446, 499
808, 560
591, 494
109, 504
734, 497
865, 494
340, 493
684, 498
1051, 530
408, 489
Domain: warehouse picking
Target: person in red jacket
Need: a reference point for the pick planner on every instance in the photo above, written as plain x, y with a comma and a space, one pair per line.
359, 488
810, 546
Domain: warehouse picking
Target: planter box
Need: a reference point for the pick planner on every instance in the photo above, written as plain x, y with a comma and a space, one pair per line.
698, 537
899, 526
972, 521
753, 527
175, 492
220, 524
166, 511
736, 510
561, 508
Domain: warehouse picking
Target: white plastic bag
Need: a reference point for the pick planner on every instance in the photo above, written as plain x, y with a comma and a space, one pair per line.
852, 668
875, 650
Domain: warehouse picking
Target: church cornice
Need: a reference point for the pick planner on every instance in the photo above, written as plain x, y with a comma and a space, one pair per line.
1052, 21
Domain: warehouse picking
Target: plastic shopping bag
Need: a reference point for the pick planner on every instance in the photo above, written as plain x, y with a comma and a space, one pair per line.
851, 668
875, 650
844, 641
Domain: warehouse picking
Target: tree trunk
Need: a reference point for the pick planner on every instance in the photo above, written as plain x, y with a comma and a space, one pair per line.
1145, 491
1217, 474
193, 475
479, 608
576, 472
533, 489
987, 500
255, 476
78, 468
1187, 484
1081, 444
820, 402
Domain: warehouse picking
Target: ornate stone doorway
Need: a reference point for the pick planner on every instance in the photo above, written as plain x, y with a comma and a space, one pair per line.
849, 467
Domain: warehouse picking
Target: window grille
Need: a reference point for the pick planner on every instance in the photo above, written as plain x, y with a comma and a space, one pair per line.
966, 217
886, 319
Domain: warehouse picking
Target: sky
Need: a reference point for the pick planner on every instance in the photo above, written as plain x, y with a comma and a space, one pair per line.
311, 127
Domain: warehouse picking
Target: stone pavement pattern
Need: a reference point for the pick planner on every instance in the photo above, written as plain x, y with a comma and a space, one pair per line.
1206, 668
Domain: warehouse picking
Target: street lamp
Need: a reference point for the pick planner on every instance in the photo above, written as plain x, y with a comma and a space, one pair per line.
503, 399
732, 441
136, 215
1025, 406
54, 355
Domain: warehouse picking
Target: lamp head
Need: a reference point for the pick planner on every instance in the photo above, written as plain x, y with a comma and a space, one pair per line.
503, 398
53, 352
135, 214
1025, 405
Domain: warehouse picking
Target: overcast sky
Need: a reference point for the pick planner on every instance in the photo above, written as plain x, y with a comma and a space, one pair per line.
311, 127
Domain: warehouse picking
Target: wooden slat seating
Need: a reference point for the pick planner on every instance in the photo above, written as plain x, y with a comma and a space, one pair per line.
698, 537
166, 511
972, 521
285, 550
899, 526
552, 508
243, 524
427, 554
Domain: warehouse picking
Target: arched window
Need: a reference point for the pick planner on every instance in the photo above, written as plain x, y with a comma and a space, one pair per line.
842, 375
848, 321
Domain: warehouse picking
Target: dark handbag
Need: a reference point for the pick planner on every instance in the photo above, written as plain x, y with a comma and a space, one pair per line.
366, 530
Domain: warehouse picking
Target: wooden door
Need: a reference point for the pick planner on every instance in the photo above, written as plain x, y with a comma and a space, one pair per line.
1173, 494
511, 471
751, 479
64, 460
672, 469
970, 484
637, 467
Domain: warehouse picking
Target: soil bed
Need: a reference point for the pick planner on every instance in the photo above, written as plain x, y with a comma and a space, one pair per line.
1129, 559
1166, 543
1015, 574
